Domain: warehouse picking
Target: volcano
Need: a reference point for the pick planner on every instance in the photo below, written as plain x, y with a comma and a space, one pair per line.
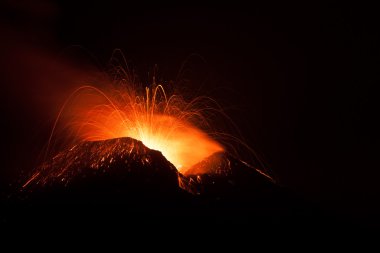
126, 166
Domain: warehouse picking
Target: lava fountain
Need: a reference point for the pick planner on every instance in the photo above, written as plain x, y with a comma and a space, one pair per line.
146, 133
165, 123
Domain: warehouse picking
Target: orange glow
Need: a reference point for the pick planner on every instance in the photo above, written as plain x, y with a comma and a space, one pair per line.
166, 124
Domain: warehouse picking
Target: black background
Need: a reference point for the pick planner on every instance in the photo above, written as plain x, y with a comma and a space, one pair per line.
297, 79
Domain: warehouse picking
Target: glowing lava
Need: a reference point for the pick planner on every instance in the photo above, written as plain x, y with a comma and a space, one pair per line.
166, 124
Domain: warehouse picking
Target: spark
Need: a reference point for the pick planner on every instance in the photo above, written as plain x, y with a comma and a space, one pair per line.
165, 123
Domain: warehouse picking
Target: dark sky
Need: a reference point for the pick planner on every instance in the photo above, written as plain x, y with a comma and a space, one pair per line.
298, 80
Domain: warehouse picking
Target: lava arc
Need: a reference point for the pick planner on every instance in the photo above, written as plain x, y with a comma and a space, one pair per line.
168, 124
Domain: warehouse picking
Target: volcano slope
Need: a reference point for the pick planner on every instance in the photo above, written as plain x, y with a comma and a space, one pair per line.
121, 181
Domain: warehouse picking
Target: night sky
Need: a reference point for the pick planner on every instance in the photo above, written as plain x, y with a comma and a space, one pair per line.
297, 79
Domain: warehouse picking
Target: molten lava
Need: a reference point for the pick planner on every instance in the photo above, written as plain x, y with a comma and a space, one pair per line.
167, 124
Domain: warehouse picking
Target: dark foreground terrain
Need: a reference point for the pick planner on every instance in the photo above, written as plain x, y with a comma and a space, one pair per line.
120, 182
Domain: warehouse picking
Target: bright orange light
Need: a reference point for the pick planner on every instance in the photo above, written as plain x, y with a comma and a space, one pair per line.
166, 124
